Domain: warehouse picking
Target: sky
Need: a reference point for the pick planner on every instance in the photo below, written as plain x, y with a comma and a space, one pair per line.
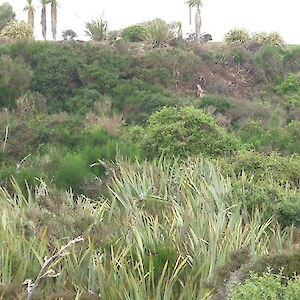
218, 16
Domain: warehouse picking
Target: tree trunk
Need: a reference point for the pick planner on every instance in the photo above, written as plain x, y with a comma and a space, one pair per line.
44, 22
54, 20
198, 24
31, 17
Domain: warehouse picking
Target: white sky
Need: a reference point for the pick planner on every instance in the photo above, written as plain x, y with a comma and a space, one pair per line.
218, 16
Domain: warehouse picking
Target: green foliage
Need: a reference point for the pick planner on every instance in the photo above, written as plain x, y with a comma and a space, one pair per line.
97, 29
69, 34
158, 32
134, 33
241, 35
237, 35
220, 104
186, 131
148, 239
272, 39
83, 101
267, 286
56, 74
282, 169
290, 84
6, 14
15, 77
292, 58
102, 68
17, 30
71, 170
138, 100
254, 134
269, 63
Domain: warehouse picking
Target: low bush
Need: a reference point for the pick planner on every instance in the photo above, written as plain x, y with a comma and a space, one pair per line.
186, 131
269, 64
266, 286
283, 169
158, 32
134, 33
15, 78
269, 38
18, 30
237, 35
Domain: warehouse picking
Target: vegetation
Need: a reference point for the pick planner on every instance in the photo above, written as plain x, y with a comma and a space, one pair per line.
237, 35
241, 35
6, 14
161, 222
148, 166
17, 30
134, 33
198, 23
97, 29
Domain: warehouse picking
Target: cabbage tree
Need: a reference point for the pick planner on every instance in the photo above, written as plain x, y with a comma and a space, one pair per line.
197, 4
30, 13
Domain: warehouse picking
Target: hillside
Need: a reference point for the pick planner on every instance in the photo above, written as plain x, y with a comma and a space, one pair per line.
178, 165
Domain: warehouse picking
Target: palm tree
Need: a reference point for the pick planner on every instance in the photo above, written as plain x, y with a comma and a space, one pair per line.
198, 5
53, 18
44, 18
30, 9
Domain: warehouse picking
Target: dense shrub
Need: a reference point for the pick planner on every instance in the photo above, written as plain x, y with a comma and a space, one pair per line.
269, 38
266, 286
290, 84
269, 63
158, 32
6, 14
15, 77
97, 29
83, 101
282, 169
138, 100
101, 68
134, 33
186, 131
237, 35
56, 74
220, 104
17, 30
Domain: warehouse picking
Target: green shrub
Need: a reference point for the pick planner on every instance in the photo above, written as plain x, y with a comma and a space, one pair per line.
269, 38
17, 30
97, 29
15, 77
282, 169
138, 100
56, 74
269, 63
237, 35
158, 32
60, 129
134, 33
70, 172
186, 131
292, 59
267, 286
254, 134
7, 14
290, 84
83, 101
221, 104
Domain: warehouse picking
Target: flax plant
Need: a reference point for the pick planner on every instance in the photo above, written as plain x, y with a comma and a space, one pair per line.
165, 228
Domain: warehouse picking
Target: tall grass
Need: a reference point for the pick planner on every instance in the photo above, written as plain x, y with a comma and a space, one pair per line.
160, 235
